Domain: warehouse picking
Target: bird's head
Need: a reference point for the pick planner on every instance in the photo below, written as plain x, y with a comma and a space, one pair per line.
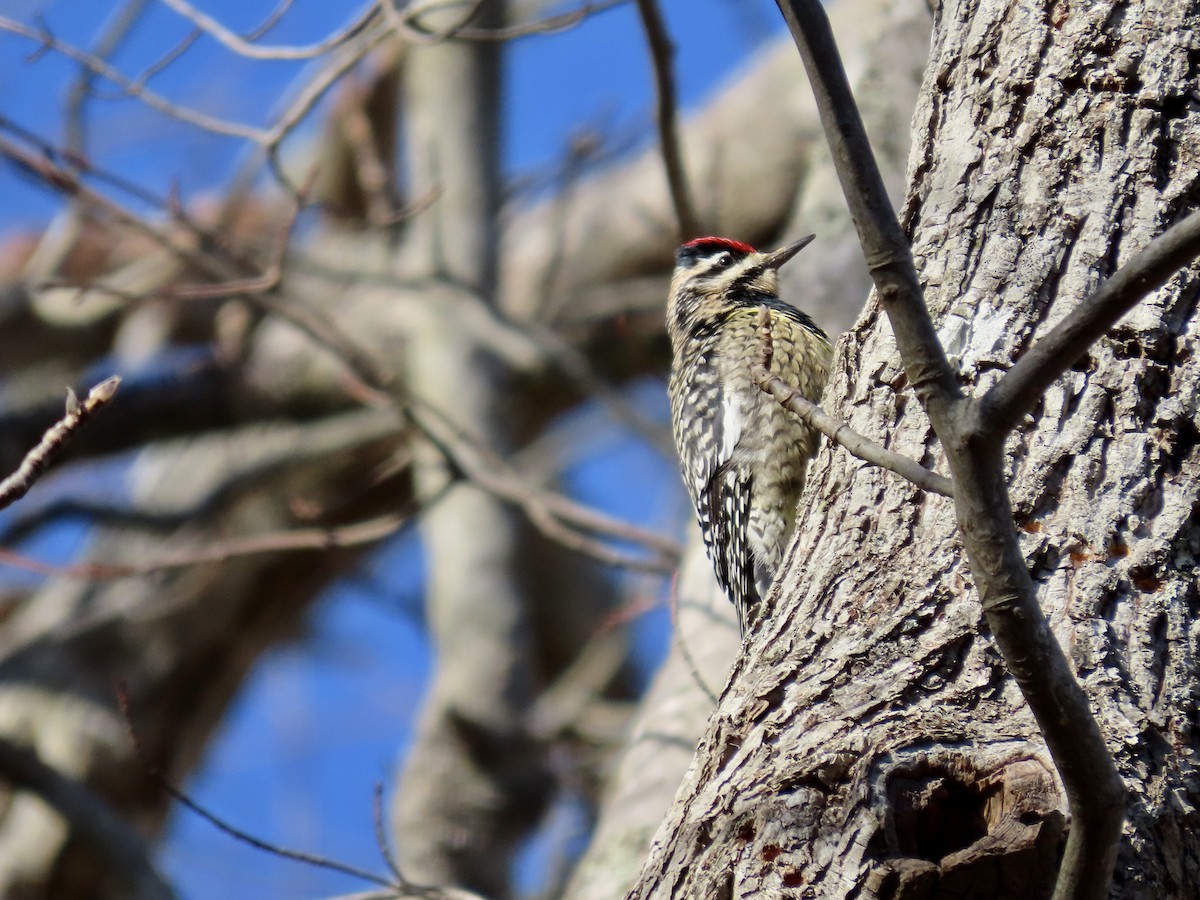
717, 270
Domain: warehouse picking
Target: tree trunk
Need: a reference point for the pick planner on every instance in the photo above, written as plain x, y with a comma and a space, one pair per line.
871, 742
473, 782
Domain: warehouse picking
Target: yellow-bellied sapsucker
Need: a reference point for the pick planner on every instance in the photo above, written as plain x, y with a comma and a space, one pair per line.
743, 455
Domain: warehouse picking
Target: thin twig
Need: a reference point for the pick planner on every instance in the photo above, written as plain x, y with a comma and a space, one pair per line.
344, 57
342, 61
363, 366
381, 836
273, 19
17, 485
68, 162
368, 531
843, 435
1151, 267
156, 101
233, 831
837, 431
271, 276
411, 27
685, 651
164, 62
114, 33
661, 52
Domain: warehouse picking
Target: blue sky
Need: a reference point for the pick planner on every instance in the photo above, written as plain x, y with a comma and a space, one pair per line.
324, 718
595, 75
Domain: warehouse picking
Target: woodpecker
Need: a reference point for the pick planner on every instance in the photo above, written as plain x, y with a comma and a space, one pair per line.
743, 455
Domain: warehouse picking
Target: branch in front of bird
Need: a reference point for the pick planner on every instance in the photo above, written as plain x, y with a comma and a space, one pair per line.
837, 431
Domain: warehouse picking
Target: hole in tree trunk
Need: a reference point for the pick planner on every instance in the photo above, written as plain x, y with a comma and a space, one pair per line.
955, 829
936, 815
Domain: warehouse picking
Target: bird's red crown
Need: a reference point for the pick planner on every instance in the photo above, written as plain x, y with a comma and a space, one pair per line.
713, 242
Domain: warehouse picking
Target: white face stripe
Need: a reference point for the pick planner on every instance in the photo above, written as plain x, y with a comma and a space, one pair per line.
706, 266
706, 277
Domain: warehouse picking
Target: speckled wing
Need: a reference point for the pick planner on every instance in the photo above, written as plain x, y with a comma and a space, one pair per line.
724, 510
705, 435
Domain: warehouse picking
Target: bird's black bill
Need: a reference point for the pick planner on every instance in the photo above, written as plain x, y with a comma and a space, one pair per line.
783, 254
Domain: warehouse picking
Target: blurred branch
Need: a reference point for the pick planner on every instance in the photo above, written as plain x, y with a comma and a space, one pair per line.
243, 47
555, 24
216, 125
122, 851
344, 57
16, 485
409, 24
270, 21
66, 160
366, 532
164, 61
551, 513
270, 277
661, 52
362, 364
115, 31
555, 515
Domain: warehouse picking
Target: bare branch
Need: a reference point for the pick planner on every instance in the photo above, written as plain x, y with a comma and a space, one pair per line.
242, 47
152, 99
661, 52
344, 57
271, 276
554, 515
1095, 791
555, 24
410, 26
373, 377
270, 21
838, 432
341, 62
17, 485
115, 843
842, 434
368, 531
220, 824
381, 837
164, 61
885, 246
115, 31
1015, 394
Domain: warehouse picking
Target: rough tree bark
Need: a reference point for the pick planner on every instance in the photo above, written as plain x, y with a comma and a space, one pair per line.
871, 743
884, 46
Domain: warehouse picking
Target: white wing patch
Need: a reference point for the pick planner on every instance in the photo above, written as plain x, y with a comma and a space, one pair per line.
732, 420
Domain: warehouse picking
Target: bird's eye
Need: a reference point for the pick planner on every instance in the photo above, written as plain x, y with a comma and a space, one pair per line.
724, 261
